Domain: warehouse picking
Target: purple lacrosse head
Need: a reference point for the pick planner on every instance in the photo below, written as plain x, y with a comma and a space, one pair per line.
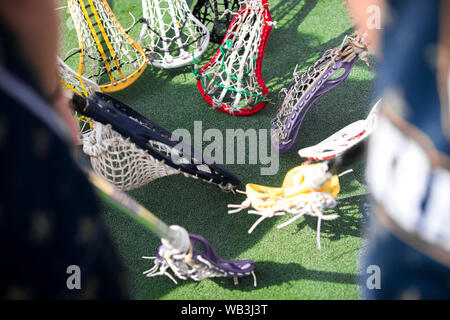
230, 268
199, 263
304, 91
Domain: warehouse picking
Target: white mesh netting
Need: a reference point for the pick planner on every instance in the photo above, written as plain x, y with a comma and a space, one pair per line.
232, 80
344, 138
74, 82
121, 162
171, 35
108, 56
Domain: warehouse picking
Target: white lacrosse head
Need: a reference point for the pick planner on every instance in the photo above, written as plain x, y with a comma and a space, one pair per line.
344, 138
108, 55
121, 162
171, 36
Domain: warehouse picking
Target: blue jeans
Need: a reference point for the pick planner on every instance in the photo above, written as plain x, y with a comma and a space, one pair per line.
404, 273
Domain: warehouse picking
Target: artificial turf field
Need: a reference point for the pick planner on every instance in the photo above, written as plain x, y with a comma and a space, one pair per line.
288, 263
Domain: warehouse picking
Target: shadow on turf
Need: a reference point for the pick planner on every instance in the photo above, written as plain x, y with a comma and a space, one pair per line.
272, 274
285, 8
268, 274
349, 223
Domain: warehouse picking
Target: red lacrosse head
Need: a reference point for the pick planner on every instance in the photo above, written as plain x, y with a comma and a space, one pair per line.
232, 82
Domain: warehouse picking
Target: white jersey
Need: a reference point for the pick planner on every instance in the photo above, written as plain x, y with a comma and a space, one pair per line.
414, 193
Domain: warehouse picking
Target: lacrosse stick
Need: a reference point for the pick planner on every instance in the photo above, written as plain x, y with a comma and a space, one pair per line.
171, 36
216, 16
82, 86
180, 253
306, 88
129, 150
306, 190
232, 82
108, 55
179, 250
343, 139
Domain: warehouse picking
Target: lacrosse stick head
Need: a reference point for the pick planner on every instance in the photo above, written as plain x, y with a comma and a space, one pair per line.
121, 162
107, 54
299, 180
199, 262
344, 139
129, 150
232, 82
171, 36
308, 189
306, 88
216, 16
76, 83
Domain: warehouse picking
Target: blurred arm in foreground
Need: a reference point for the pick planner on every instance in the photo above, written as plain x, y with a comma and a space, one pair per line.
53, 242
408, 158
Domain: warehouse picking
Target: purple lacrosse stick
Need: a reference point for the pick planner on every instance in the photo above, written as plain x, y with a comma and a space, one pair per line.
199, 264
231, 268
324, 85
304, 91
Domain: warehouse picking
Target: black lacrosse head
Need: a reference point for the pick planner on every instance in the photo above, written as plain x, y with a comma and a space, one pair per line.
210, 12
141, 131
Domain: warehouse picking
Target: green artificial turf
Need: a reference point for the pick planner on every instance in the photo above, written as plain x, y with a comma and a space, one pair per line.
288, 263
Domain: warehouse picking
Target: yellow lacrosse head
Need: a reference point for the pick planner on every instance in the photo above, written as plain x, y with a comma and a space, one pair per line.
108, 55
294, 184
306, 190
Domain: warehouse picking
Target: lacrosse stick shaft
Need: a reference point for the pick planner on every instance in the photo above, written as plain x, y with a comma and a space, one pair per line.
129, 206
347, 158
175, 235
